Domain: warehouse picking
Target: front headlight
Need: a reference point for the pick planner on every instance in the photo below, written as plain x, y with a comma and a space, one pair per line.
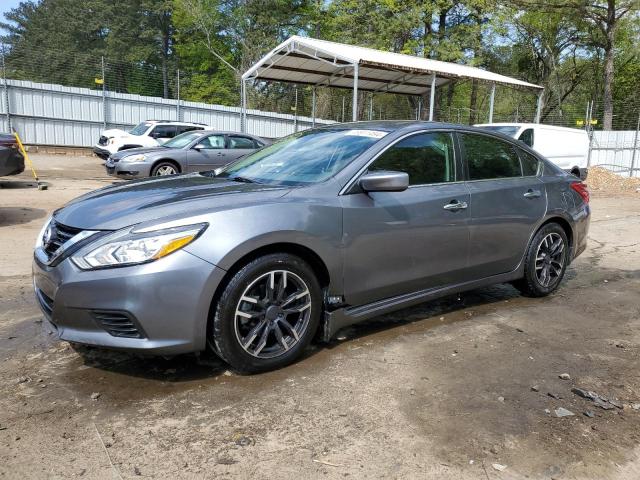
138, 157
45, 230
133, 248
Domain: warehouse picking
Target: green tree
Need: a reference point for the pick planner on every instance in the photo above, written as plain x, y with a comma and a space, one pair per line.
219, 40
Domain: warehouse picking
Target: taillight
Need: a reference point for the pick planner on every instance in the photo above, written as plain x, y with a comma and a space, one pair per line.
582, 190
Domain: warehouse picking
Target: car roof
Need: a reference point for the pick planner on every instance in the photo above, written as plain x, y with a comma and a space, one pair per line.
223, 132
528, 125
400, 125
175, 122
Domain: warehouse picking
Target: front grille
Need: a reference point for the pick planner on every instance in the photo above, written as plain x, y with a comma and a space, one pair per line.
45, 302
118, 324
103, 140
59, 235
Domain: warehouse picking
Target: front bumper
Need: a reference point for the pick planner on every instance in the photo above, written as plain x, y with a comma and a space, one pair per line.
123, 169
11, 162
101, 152
166, 303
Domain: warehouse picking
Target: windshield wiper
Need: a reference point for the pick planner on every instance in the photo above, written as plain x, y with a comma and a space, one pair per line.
242, 179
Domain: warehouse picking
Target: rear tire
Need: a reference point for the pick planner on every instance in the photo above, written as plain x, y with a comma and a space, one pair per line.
545, 262
267, 314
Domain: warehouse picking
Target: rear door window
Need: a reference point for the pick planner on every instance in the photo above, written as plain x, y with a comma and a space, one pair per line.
488, 157
240, 142
187, 128
426, 158
164, 131
530, 164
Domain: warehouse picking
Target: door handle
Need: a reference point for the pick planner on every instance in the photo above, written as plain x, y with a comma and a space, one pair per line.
532, 193
455, 205
220, 154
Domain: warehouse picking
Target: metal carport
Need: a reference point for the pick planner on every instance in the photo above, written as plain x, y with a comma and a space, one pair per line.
329, 64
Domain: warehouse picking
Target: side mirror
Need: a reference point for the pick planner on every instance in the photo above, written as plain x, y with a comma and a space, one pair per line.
199, 147
385, 182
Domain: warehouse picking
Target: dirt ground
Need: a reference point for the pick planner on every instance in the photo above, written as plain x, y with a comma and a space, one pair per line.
445, 390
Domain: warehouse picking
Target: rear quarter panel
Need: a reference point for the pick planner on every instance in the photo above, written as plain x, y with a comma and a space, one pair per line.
565, 203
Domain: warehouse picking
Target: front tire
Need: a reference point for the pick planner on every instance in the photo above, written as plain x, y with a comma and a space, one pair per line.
267, 314
164, 168
545, 262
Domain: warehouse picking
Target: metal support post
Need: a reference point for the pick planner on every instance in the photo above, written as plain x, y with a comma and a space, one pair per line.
295, 108
432, 98
5, 84
589, 132
178, 95
492, 99
635, 148
104, 96
355, 93
243, 108
313, 107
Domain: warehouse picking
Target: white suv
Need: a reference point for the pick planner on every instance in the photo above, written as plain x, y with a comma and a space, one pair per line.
150, 133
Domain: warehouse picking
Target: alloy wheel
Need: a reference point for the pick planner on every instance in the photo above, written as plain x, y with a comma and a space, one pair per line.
272, 314
166, 170
550, 258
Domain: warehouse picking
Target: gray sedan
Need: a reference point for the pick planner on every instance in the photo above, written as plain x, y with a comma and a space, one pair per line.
189, 152
324, 229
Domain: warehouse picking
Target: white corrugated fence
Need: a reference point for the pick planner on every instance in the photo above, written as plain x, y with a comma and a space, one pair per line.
618, 151
48, 114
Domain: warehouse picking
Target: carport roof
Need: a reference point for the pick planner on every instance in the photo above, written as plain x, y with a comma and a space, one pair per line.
323, 63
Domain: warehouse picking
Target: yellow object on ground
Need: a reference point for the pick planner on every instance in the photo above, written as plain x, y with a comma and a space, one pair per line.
28, 160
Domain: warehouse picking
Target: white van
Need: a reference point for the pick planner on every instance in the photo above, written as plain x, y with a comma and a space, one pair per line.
566, 147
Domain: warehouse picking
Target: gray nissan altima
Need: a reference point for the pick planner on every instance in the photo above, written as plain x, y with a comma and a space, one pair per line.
323, 229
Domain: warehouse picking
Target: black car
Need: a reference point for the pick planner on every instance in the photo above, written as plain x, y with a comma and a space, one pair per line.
11, 160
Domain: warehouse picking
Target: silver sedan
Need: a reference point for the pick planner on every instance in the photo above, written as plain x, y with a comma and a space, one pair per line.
193, 151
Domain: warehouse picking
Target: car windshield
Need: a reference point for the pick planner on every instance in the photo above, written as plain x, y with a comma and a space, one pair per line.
506, 129
182, 140
303, 158
140, 128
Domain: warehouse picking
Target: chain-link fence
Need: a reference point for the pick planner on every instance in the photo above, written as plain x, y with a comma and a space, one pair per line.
72, 99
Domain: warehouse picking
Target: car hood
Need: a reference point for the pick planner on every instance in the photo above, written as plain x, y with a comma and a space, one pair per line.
116, 132
130, 203
134, 151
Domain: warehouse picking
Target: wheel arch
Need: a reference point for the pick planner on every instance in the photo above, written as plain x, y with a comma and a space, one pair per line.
307, 254
555, 217
167, 160
564, 223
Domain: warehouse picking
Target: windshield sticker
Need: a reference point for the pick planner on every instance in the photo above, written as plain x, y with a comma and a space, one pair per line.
366, 133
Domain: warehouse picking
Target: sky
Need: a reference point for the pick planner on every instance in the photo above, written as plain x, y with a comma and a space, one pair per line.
6, 5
